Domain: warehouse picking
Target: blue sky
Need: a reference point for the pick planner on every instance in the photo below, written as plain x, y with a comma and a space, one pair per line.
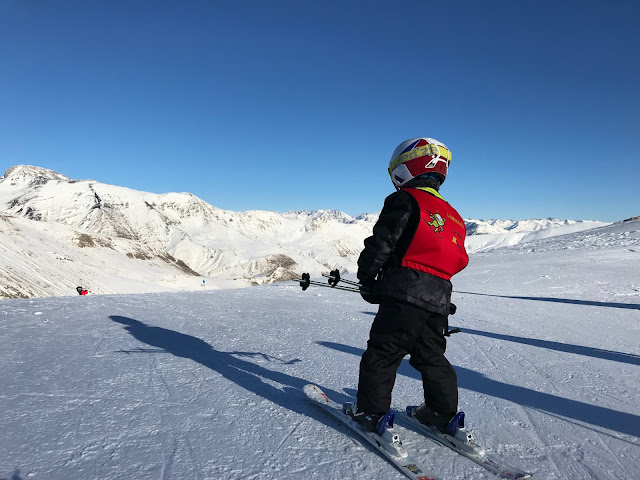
290, 105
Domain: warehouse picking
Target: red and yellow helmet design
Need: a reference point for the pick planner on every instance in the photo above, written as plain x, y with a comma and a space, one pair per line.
417, 156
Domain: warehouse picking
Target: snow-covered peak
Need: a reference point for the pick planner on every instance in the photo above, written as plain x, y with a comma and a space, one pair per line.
320, 215
368, 217
31, 174
492, 227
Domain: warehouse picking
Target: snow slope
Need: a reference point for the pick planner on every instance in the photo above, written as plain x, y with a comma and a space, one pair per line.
207, 385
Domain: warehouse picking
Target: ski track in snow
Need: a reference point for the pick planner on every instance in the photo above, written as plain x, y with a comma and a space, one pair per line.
207, 385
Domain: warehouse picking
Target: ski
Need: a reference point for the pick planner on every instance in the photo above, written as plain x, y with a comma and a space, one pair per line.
388, 444
463, 443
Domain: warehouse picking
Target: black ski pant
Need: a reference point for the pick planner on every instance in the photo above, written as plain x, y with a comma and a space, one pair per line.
400, 329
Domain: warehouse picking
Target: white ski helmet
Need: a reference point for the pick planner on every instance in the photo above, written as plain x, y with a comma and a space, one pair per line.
417, 156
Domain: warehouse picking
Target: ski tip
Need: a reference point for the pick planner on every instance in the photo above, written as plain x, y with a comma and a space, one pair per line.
311, 388
315, 392
515, 475
511, 473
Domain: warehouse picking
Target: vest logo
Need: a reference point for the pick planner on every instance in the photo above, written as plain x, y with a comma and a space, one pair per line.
436, 222
454, 219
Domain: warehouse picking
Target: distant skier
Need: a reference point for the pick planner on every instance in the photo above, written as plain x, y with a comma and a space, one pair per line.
406, 266
81, 291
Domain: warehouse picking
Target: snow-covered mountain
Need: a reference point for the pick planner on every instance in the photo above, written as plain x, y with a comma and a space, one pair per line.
518, 233
57, 233
493, 227
94, 231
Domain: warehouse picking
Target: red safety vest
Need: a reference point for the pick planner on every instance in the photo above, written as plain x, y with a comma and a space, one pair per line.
438, 244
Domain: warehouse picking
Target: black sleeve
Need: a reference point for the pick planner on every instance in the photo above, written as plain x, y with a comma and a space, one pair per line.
378, 248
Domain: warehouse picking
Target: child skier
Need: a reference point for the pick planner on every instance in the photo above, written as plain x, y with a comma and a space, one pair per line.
406, 265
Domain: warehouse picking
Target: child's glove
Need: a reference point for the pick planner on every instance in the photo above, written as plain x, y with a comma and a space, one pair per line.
366, 291
452, 308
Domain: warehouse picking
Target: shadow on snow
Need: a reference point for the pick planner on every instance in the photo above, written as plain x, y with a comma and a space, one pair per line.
631, 306
246, 374
15, 476
600, 416
562, 347
249, 376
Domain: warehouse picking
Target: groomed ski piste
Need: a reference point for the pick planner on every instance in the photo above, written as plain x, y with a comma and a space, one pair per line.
208, 385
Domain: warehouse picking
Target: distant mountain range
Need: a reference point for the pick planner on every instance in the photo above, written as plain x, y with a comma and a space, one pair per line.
57, 233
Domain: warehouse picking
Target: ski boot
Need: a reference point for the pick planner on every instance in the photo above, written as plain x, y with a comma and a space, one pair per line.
451, 424
369, 422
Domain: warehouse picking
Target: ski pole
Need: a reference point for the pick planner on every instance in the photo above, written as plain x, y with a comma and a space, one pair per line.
305, 285
334, 278
305, 282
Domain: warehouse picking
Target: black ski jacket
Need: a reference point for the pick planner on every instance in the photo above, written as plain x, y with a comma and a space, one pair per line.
383, 253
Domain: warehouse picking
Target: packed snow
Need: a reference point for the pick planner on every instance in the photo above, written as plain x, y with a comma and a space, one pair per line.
208, 384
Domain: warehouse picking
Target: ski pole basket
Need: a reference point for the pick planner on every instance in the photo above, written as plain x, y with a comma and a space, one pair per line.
305, 281
334, 278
